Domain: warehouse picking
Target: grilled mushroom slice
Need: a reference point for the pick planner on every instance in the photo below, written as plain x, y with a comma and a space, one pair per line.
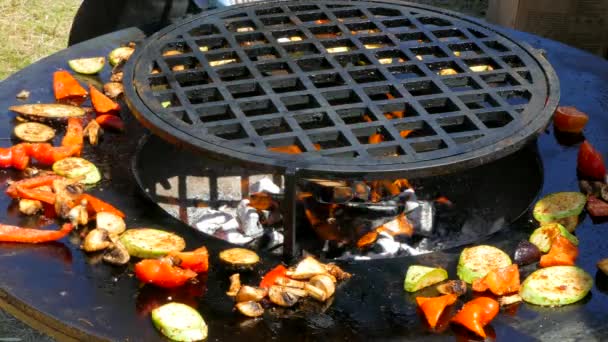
235, 285
279, 296
325, 283
337, 272
250, 309
96, 240
113, 89
316, 292
78, 215
289, 283
457, 287
93, 131
29, 207
239, 258
249, 293
113, 223
308, 268
117, 254
296, 292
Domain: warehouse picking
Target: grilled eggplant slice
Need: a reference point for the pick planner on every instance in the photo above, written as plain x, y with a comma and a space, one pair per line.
48, 111
250, 309
239, 258
34, 132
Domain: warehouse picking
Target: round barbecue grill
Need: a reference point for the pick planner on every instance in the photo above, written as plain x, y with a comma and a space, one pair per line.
319, 79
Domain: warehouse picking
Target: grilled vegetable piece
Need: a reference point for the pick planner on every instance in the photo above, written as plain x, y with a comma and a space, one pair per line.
419, 277
92, 177
543, 237
603, 265
287, 282
120, 54
196, 260
39, 195
112, 122
23, 95
559, 205
307, 268
569, 120
271, 277
569, 223
250, 309
325, 283
151, 243
500, 281
476, 262
456, 287
113, 89
93, 131
34, 132
66, 86
434, 307
162, 273
476, 314
101, 103
590, 162
28, 235
249, 293
73, 167
281, 297
87, 66
43, 111
596, 207
555, 286
315, 292
96, 240
337, 272
15, 156
29, 206
31, 183
117, 254
526, 253
179, 322
95, 205
239, 258
112, 223
235, 285
78, 216
508, 300
562, 253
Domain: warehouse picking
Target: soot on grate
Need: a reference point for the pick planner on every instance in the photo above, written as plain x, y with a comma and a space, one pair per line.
341, 87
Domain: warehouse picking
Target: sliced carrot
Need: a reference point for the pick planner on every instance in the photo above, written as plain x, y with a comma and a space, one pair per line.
66, 86
101, 102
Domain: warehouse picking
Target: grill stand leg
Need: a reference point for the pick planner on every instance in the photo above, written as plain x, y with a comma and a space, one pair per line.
290, 248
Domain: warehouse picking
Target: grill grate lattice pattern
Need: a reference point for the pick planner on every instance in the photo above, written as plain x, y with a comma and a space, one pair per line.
354, 86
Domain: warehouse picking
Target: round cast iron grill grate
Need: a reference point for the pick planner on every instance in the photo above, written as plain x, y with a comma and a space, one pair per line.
443, 92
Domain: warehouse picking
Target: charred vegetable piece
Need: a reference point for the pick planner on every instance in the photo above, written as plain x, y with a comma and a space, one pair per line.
28, 235
23, 95
42, 111
569, 223
559, 205
235, 285
434, 307
337, 272
543, 237
249, 293
78, 216
112, 122
31, 183
590, 162
87, 66
526, 253
476, 262
120, 54
101, 103
197, 260
34, 194
34, 132
151, 243
555, 286
117, 254
456, 287
179, 322
476, 314
66, 86
419, 277
569, 120
96, 240
113, 89
112, 223
308, 268
239, 258
500, 281
596, 207
287, 282
603, 266
250, 309
162, 273
279, 296
562, 253
271, 277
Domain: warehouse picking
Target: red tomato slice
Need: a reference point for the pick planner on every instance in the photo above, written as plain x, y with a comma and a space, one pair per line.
569, 119
590, 162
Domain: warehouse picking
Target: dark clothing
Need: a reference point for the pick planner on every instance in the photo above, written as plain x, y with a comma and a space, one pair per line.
97, 17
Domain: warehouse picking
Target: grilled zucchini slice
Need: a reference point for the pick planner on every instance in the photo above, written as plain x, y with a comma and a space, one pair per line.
119, 54
542, 237
148, 243
476, 262
559, 205
419, 277
74, 167
555, 286
179, 322
87, 66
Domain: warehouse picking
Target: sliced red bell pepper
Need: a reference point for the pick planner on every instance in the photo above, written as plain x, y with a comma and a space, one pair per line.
42, 196
95, 205
162, 273
434, 307
31, 183
269, 278
6, 157
596, 207
109, 121
562, 253
101, 102
74, 135
476, 314
569, 120
28, 235
46, 154
20, 158
590, 162
500, 281
197, 260
66, 86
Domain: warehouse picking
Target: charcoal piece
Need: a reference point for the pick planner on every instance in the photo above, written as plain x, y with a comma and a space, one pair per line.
423, 218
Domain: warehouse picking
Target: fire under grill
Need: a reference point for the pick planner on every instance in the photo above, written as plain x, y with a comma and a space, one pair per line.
340, 103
